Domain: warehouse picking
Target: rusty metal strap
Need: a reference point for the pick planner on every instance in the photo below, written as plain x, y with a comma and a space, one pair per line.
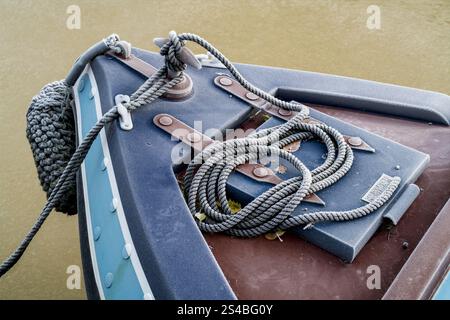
236, 89
139, 65
199, 142
179, 91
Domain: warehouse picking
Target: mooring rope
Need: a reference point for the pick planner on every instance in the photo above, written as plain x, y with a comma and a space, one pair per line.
152, 89
207, 174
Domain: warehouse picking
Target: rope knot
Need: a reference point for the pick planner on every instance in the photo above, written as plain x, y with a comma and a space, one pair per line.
118, 46
177, 56
171, 52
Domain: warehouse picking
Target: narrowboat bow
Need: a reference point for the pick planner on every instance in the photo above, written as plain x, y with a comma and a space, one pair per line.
353, 157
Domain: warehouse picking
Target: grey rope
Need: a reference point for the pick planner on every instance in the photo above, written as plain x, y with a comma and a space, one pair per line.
152, 89
207, 174
51, 134
50, 124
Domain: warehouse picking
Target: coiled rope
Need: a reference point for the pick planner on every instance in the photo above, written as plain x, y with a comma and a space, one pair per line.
207, 174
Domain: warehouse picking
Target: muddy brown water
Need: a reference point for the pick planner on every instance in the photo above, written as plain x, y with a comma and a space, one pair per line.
411, 48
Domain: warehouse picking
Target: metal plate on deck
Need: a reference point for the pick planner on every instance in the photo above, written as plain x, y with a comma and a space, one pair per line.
346, 239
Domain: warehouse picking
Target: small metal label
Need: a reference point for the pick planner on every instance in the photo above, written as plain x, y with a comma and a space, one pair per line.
378, 188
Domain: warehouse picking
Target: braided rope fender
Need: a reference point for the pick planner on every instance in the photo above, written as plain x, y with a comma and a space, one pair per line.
51, 134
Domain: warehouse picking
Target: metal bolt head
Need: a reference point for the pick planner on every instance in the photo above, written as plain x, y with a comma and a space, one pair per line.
105, 164
405, 245
114, 204
81, 85
284, 112
109, 278
194, 137
225, 81
126, 251
92, 93
355, 141
165, 121
97, 233
261, 172
251, 96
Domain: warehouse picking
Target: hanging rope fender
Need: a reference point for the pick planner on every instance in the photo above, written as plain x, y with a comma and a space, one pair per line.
51, 134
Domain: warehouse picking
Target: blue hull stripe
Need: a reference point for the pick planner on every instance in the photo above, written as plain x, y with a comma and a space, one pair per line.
116, 273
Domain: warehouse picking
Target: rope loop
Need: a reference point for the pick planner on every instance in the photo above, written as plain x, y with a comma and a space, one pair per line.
120, 47
171, 52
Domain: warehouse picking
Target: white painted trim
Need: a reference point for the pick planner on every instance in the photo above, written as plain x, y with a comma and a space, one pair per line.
147, 292
115, 191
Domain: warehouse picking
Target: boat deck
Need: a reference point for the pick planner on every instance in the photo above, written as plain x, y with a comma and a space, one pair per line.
295, 269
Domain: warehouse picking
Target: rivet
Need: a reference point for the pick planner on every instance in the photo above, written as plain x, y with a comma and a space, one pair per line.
405, 245
194, 137
261, 172
355, 141
126, 251
109, 278
97, 233
251, 96
165, 121
225, 81
397, 167
284, 112
114, 203
81, 85
105, 164
92, 93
